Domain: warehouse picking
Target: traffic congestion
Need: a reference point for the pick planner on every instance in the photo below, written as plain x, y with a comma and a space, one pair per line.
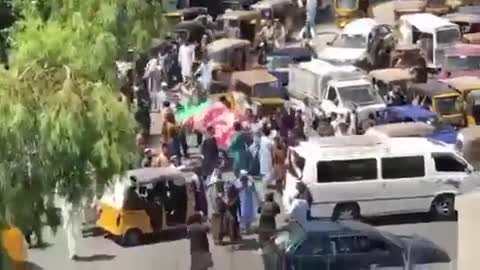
281, 135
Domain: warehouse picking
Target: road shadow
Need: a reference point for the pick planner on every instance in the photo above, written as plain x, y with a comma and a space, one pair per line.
403, 219
92, 232
41, 246
95, 258
32, 266
247, 244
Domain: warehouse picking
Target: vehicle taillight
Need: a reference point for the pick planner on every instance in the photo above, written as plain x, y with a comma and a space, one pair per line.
118, 220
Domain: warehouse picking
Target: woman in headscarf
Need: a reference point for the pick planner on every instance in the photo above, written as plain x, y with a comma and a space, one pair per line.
239, 149
248, 200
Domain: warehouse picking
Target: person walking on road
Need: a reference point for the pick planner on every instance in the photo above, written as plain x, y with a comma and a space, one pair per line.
267, 226
266, 157
209, 151
233, 211
239, 149
248, 200
71, 225
201, 258
186, 56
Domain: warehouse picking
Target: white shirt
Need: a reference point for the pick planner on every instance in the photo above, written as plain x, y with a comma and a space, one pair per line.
186, 55
298, 211
206, 70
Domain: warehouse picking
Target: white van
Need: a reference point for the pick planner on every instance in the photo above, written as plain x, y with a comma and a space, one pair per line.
355, 176
432, 33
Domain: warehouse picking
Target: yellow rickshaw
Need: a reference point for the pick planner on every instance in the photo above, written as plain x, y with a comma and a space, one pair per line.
228, 54
439, 98
348, 10
242, 24
186, 14
15, 247
147, 201
469, 89
468, 144
263, 89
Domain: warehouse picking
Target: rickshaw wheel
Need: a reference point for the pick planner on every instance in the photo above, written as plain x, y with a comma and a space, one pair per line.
133, 237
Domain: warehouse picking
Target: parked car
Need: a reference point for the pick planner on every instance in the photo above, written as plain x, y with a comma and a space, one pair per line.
326, 245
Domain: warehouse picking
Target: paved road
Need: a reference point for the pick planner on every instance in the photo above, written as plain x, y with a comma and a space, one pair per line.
171, 254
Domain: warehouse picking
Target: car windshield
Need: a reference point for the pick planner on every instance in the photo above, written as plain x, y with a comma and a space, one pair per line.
360, 95
447, 105
350, 41
448, 36
463, 62
347, 4
268, 90
274, 62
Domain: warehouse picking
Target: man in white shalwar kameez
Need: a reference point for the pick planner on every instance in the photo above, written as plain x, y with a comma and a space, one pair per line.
265, 156
186, 56
71, 225
205, 69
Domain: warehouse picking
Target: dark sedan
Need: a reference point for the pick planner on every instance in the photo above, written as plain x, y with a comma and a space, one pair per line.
330, 245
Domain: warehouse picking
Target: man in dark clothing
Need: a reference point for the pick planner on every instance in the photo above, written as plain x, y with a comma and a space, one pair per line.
201, 258
304, 194
209, 150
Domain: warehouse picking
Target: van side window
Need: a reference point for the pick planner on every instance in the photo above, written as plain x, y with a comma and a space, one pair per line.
403, 167
332, 94
448, 163
346, 170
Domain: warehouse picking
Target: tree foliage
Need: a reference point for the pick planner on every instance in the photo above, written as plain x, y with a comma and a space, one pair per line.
64, 128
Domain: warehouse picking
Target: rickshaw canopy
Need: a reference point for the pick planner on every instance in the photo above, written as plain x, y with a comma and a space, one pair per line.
432, 88
253, 77
241, 15
473, 38
464, 83
145, 176
427, 23
405, 129
223, 44
463, 18
194, 29
392, 75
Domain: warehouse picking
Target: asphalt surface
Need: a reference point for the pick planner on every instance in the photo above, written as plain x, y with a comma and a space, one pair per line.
171, 251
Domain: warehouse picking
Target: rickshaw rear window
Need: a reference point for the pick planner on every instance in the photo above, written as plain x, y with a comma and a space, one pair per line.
268, 90
347, 4
447, 105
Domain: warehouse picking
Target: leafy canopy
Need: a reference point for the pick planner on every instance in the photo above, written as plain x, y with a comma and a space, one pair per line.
63, 125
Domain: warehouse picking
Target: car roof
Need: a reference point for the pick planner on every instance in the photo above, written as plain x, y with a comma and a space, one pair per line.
362, 26
411, 111
426, 22
463, 49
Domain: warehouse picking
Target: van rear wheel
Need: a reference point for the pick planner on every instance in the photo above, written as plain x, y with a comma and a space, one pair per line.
443, 207
348, 211
133, 237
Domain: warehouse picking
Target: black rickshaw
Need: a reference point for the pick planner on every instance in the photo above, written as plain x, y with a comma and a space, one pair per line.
186, 14
278, 61
190, 30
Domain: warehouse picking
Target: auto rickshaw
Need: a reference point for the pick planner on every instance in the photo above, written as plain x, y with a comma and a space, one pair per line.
147, 201
385, 80
348, 10
13, 252
404, 7
407, 56
186, 14
242, 24
468, 23
469, 89
263, 89
468, 143
228, 54
439, 98
283, 10
190, 30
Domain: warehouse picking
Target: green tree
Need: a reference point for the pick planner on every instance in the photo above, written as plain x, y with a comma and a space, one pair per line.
64, 127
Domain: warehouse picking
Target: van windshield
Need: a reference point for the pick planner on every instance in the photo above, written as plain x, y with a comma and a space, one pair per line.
350, 41
448, 36
360, 95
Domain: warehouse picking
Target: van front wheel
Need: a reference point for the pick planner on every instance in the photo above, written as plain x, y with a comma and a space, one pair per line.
347, 211
443, 207
133, 237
